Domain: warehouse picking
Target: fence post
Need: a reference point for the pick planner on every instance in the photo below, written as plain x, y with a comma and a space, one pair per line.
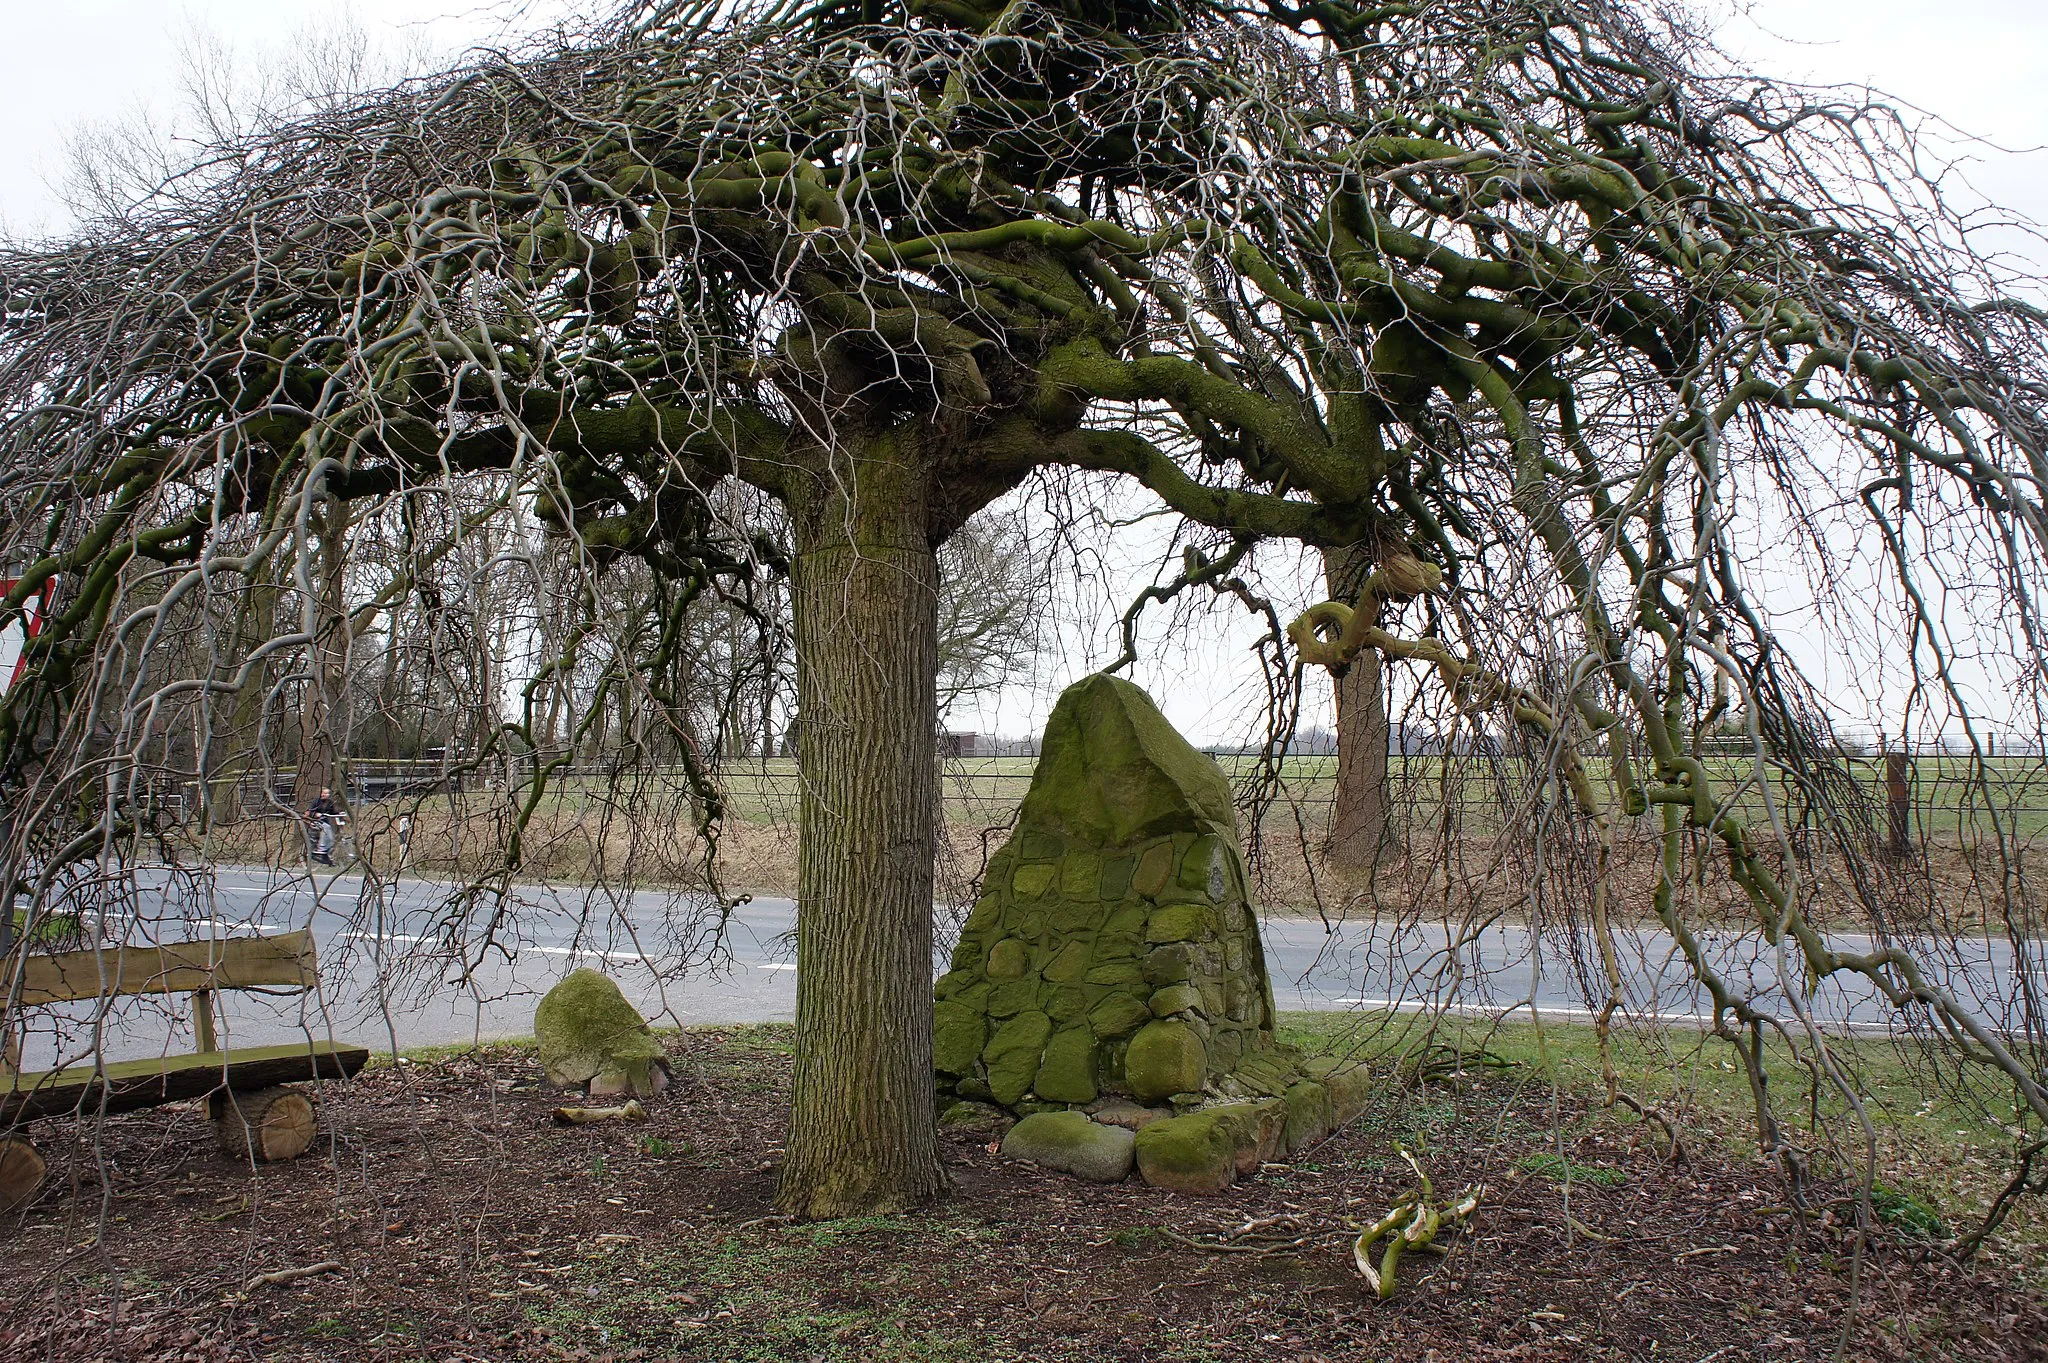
1898, 802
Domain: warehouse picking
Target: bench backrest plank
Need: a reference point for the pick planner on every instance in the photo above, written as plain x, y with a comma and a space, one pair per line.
167, 968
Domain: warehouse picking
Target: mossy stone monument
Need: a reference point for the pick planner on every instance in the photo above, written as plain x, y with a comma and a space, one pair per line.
1115, 958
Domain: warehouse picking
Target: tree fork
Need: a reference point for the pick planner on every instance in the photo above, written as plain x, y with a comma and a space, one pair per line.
863, 1134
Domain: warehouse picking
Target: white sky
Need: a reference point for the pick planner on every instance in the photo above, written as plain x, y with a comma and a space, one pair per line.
1981, 65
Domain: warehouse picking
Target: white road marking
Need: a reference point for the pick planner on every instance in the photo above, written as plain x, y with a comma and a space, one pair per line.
1702, 1020
629, 957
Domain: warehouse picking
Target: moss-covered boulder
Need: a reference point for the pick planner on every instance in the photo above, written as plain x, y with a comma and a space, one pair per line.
979, 1118
1310, 1116
1011, 1057
959, 1031
1165, 1058
1069, 1142
589, 1036
1066, 1072
1348, 1083
1192, 1154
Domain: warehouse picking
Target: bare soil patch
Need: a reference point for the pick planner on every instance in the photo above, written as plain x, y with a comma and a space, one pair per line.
463, 1224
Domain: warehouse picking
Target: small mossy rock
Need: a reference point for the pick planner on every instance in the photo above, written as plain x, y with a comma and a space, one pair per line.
1177, 923
584, 1027
1031, 881
1128, 921
1040, 845
1070, 1143
1154, 870
1122, 948
1118, 1014
1125, 1113
1203, 868
632, 1075
1196, 1153
1309, 1117
1008, 959
1112, 771
1013, 997
1349, 1085
976, 1117
1173, 963
1066, 1004
1066, 1074
1259, 1130
1068, 964
958, 1034
1011, 1056
1165, 1058
987, 910
1176, 998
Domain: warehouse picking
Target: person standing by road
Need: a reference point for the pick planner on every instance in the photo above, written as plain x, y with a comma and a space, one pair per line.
321, 817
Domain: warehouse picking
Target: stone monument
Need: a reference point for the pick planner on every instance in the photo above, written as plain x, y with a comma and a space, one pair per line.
1113, 968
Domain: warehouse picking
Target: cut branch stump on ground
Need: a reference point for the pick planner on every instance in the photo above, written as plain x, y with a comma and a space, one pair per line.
268, 1124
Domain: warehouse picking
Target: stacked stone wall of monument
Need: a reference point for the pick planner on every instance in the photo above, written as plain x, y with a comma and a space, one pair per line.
1089, 971
1111, 978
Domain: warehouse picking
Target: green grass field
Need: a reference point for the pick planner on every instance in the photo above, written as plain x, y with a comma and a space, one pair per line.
1939, 1149
1951, 804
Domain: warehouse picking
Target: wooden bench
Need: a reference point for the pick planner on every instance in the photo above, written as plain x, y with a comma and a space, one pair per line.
254, 1115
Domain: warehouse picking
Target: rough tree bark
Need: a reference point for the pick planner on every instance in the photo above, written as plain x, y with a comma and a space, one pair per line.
1358, 816
863, 1135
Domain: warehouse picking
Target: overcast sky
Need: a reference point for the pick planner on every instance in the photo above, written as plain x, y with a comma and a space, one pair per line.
1980, 65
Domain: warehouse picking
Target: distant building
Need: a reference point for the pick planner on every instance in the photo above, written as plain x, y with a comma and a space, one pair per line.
960, 745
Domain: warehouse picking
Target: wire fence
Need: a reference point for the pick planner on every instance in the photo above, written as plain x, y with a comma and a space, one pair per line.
1897, 799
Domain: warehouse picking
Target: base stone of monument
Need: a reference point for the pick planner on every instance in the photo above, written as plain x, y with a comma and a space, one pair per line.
1113, 967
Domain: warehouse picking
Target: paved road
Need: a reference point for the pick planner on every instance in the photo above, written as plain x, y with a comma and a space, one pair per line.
402, 969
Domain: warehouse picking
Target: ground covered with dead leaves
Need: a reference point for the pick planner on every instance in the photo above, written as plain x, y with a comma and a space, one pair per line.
446, 1217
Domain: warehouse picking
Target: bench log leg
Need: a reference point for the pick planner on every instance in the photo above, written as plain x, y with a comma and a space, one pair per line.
267, 1124
21, 1172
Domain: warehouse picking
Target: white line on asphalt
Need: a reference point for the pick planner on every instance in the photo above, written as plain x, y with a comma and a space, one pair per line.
1560, 1010
629, 957
768, 965
288, 888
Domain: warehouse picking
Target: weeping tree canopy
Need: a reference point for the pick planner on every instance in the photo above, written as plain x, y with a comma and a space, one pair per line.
1580, 334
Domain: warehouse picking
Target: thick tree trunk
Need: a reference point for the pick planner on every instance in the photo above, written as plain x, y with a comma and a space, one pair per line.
862, 1134
1358, 818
